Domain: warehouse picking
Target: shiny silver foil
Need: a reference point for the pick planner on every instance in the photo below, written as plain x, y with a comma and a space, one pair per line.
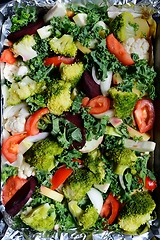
6, 231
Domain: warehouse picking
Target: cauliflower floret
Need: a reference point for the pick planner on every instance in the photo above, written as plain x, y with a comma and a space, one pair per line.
139, 46
25, 170
11, 70
15, 124
14, 118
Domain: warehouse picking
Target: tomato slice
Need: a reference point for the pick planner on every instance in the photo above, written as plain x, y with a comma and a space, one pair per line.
98, 104
144, 114
12, 185
60, 176
150, 184
110, 209
10, 146
31, 126
57, 60
7, 56
116, 48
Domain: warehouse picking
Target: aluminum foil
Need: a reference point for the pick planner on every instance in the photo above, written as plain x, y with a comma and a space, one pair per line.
6, 231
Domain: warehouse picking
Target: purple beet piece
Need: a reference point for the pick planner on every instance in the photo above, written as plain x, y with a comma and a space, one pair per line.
19, 199
77, 120
30, 29
89, 86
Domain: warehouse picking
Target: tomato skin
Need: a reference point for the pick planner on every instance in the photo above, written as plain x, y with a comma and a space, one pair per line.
110, 209
60, 176
116, 48
57, 60
7, 56
150, 184
10, 146
31, 126
98, 104
12, 185
144, 114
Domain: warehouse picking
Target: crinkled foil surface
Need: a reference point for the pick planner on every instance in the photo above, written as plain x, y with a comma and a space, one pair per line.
6, 231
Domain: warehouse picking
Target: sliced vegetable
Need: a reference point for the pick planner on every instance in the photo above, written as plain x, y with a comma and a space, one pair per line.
30, 29
116, 48
19, 199
57, 60
98, 104
7, 56
31, 126
60, 176
10, 147
12, 185
140, 146
144, 115
110, 209
91, 145
89, 86
96, 198
51, 194
150, 184
106, 84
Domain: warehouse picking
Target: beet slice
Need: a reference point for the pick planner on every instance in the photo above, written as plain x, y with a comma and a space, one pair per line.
77, 120
89, 86
19, 199
30, 29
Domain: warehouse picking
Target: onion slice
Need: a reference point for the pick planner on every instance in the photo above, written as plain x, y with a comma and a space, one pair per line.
38, 137
96, 198
91, 145
94, 76
106, 84
110, 113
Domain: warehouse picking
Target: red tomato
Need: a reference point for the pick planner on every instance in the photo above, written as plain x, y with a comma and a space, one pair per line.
7, 56
116, 48
85, 101
144, 115
110, 209
10, 146
12, 185
60, 176
98, 104
150, 184
57, 60
31, 126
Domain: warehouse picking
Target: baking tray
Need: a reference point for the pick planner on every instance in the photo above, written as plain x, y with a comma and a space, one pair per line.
7, 233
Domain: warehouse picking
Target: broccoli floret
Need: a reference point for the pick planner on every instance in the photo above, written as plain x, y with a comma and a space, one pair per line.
23, 89
42, 154
94, 162
136, 212
123, 102
88, 218
72, 72
123, 26
78, 184
59, 97
41, 218
123, 158
85, 218
64, 45
24, 47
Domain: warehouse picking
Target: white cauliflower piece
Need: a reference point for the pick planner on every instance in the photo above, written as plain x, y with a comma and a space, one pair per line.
15, 124
11, 70
25, 170
14, 118
139, 46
